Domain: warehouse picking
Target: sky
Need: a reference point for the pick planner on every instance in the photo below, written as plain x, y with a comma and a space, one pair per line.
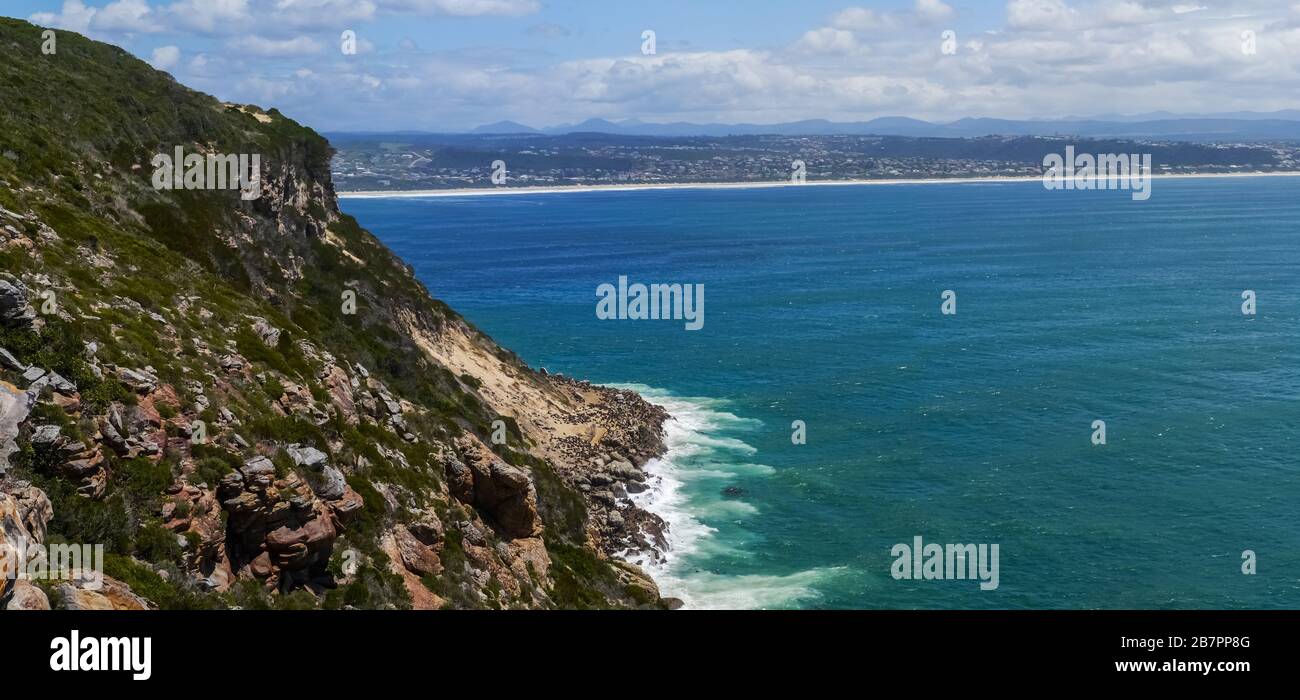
451, 65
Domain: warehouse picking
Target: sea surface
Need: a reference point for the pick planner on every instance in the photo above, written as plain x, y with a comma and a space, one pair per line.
823, 305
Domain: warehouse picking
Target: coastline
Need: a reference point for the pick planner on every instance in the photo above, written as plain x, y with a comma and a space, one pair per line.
707, 447
562, 189
686, 572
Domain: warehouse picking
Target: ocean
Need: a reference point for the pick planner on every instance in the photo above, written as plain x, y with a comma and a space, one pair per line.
823, 305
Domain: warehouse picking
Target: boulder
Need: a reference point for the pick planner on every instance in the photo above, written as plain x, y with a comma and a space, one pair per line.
460, 480
258, 466
139, 381
24, 513
417, 557
27, 596
34, 508
14, 309
325, 481
348, 504
76, 460
111, 595
269, 334
261, 565
530, 553
15, 406
307, 456
428, 529
328, 483
45, 436
54, 381
8, 361
503, 492
339, 388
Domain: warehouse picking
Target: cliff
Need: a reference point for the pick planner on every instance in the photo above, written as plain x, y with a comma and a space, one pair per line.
250, 401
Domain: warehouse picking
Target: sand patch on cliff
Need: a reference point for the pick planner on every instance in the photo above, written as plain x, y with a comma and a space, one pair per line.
543, 412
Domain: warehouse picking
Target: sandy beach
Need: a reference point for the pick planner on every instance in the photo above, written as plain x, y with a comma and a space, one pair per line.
492, 191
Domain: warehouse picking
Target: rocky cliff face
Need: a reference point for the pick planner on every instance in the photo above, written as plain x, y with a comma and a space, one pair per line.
254, 403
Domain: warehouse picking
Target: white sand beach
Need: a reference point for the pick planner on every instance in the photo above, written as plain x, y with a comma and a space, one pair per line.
492, 191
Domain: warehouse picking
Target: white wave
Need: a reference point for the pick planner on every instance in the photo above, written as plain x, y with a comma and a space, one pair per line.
709, 591
698, 452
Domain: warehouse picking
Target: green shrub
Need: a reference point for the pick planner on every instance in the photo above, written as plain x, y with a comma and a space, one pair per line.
156, 543
209, 470
142, 481
174, 594
371, 588
81, 520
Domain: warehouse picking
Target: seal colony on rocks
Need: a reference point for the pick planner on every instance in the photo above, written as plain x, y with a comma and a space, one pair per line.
599, 438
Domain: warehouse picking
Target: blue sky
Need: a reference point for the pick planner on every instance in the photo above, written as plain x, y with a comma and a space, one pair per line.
454, 64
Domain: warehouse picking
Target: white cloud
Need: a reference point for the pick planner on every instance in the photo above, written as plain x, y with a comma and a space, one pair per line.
254, 45
127, 16
271, 17
119, 17
1043, 58
320, 14
861, 19
933, 10
74, 17
827, 40
165, 57
210, 16
1130, 12
465, 8
1039, 14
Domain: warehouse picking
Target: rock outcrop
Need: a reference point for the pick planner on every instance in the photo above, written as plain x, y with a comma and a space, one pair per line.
105, 594
278, 529
27, 596
505, 493
258, 395
15, 406
24, 514
14, 307
79, 462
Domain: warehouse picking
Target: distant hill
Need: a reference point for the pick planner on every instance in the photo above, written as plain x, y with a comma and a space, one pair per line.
1232, 127
505, 127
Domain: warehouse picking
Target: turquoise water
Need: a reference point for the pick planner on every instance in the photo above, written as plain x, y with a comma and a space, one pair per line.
823, 305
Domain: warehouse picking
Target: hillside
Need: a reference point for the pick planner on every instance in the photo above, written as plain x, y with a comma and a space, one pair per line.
252, 402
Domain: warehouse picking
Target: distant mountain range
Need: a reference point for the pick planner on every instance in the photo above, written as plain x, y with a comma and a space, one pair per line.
1235, 126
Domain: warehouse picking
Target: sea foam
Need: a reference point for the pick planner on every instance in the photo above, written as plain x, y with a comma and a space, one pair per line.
702, 448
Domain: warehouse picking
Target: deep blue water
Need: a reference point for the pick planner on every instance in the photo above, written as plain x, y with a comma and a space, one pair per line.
822, 304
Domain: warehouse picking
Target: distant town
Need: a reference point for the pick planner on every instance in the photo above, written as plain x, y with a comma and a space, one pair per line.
367, 162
